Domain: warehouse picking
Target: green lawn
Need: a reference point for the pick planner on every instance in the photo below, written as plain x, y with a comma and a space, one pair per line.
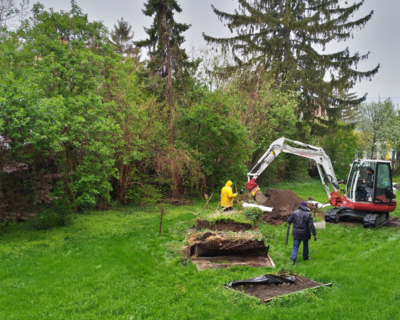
115, 265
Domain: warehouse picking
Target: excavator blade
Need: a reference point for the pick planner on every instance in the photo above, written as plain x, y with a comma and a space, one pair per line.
256, 192
260, 198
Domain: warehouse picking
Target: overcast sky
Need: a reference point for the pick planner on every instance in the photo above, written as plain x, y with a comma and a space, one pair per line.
381, 35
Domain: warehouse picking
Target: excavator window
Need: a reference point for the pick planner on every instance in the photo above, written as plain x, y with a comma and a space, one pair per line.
383, 181
351, 183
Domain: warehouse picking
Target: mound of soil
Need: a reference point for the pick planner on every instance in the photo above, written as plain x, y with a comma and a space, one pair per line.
212, 244
223, 225
282, 202
267, 291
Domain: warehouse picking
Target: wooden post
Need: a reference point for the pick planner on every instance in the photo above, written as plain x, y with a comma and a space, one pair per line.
208, 200
162, 213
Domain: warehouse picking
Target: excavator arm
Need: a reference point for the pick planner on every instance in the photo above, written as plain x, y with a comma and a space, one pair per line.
322, 160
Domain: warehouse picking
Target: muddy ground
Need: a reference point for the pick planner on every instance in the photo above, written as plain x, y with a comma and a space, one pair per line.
267, 291
223, 225
393, 222
283, 202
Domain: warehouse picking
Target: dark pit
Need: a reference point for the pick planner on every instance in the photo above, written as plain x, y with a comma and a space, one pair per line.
266, 292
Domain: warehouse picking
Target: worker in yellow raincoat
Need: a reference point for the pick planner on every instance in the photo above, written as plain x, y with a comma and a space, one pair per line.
227, 197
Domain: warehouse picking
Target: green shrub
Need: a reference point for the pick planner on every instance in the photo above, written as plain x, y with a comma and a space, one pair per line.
146, 194
254, 214
58, 215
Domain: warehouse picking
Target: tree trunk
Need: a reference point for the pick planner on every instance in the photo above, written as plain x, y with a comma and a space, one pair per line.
174, 176
170, 92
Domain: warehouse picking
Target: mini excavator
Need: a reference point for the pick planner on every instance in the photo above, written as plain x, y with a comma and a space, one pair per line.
374, 210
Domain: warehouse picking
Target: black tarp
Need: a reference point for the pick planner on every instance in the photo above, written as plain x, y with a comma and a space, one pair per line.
266, 278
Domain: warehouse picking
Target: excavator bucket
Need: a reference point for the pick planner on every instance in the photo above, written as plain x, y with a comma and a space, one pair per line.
255, 191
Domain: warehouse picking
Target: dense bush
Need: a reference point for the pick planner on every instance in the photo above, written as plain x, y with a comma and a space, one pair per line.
254, 214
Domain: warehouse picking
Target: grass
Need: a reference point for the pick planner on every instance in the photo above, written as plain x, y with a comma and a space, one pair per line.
115, 265
217, 215
227, 236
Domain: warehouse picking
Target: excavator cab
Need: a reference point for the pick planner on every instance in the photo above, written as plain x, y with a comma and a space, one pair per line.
369, 194
375, 187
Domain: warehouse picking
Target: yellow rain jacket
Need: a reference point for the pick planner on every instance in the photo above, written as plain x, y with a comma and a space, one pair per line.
227, 195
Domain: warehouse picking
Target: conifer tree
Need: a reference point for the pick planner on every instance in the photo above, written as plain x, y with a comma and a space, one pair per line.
121, 37
166, 65
280, 37
165, 38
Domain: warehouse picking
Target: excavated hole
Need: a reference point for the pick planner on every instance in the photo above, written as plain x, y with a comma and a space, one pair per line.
268, 291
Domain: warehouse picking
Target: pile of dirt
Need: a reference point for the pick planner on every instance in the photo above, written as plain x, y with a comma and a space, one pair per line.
211, 244
268, 291
282, 202
227, 225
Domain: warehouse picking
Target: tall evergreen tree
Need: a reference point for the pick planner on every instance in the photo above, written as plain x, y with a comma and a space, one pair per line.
281, 36
121, 37
167, 62
165, 38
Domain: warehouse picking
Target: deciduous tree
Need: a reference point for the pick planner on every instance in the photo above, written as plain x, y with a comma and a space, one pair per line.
377, 126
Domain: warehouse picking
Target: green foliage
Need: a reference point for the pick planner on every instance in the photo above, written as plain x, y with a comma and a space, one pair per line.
279, 38
121, 37
341, 145
212, 128
53, 103
58, 215
144, 194
378, 126
271, 115
254, 214
218, 215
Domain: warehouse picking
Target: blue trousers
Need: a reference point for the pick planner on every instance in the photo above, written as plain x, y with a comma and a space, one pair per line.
296, 246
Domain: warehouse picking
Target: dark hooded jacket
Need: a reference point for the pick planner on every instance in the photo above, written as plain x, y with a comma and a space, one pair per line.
303, 224
368, 180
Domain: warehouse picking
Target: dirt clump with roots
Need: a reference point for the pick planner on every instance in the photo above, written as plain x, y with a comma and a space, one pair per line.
227, 225
211, 244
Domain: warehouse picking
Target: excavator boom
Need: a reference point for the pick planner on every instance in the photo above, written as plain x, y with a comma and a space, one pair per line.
324, 164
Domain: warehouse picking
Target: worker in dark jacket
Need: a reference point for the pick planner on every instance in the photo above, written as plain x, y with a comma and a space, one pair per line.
369, 181
303, 226
366, 183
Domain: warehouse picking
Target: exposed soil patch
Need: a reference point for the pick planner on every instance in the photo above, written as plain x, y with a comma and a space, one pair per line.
268, 291
212, 244
186, 252
223, 225
282, 202
393, 222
